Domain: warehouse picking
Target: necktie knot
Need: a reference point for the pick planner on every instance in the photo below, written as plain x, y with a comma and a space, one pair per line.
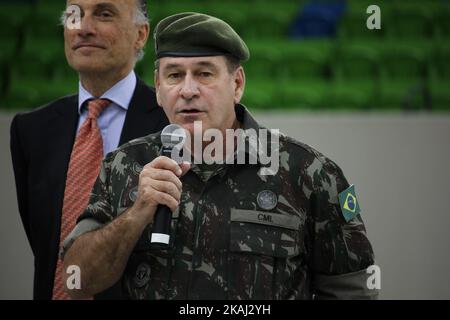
96, 107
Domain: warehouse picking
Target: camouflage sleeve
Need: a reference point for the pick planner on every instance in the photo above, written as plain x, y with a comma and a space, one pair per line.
98, 211
340, 249
100, 207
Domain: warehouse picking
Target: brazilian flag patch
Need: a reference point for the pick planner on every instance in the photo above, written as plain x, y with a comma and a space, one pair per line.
349, 203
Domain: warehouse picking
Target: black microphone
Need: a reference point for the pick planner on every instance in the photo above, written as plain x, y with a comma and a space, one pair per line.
172, 139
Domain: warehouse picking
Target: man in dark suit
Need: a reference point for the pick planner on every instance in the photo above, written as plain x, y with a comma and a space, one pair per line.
103, 49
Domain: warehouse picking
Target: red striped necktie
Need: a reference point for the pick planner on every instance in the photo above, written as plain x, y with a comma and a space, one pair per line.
84, 167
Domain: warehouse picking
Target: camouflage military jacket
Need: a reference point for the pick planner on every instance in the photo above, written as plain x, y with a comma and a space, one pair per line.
238, 234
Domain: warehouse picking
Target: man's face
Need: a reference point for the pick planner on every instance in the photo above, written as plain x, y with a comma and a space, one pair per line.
199, 89
108, 38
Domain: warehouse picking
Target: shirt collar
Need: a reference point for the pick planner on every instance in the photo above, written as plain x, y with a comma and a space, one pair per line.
121, 93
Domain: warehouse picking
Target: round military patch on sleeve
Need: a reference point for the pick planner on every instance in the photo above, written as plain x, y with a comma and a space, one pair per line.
267, 200
133, 194
137, 168
142, 275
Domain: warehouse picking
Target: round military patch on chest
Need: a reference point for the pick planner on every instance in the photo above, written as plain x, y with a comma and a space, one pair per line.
133, 194
142, 275
267, 200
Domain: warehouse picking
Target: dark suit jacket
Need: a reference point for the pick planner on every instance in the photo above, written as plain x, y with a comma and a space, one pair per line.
41, 143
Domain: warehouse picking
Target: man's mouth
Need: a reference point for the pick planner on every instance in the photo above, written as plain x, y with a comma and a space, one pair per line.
86, 45
190, 111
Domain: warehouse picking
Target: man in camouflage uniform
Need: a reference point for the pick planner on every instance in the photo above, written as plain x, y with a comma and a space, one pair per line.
236, 233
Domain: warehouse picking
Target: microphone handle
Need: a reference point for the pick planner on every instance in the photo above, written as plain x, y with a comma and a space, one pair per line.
163, 216
161, 225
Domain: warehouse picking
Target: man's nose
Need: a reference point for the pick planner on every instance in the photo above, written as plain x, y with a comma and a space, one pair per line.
87, 26
190, 87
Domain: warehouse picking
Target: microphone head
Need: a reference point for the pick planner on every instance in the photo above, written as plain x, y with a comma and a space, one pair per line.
173, 135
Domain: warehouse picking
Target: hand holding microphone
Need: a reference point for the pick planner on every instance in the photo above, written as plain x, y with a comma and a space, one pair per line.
160, 187
172, 139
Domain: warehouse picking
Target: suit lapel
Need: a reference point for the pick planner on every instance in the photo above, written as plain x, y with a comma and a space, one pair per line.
61, 141
66, 126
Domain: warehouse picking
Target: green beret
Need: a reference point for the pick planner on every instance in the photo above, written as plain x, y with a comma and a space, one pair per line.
192, 34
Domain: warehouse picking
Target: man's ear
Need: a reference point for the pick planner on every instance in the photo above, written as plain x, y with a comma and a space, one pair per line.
239, 80
157, 85
143, 32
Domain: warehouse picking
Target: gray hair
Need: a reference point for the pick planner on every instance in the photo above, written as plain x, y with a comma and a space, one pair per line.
140, 18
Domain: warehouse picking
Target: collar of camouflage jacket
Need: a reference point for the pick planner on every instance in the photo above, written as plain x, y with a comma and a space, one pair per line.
257, 140
263, 136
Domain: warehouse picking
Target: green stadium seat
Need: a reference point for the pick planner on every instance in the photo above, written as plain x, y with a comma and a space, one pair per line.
14, 14
11, 31
45, 25
407, 95
9, 26
268, 21
60, 69
440, 62
403, 74
353, 95
8, 46
159, 10
31, 93
356, 73
141, 71
305, 95
264, 58
440, 95
145, 68
439, 80
235, 15
46, 7
403, 60
30, 66
441, 20
21, 95
259, 94
410, 22
353, 25
35, 61
356, 61
306, 59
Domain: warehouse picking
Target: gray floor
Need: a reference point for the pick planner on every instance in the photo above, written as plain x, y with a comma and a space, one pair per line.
398, 163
